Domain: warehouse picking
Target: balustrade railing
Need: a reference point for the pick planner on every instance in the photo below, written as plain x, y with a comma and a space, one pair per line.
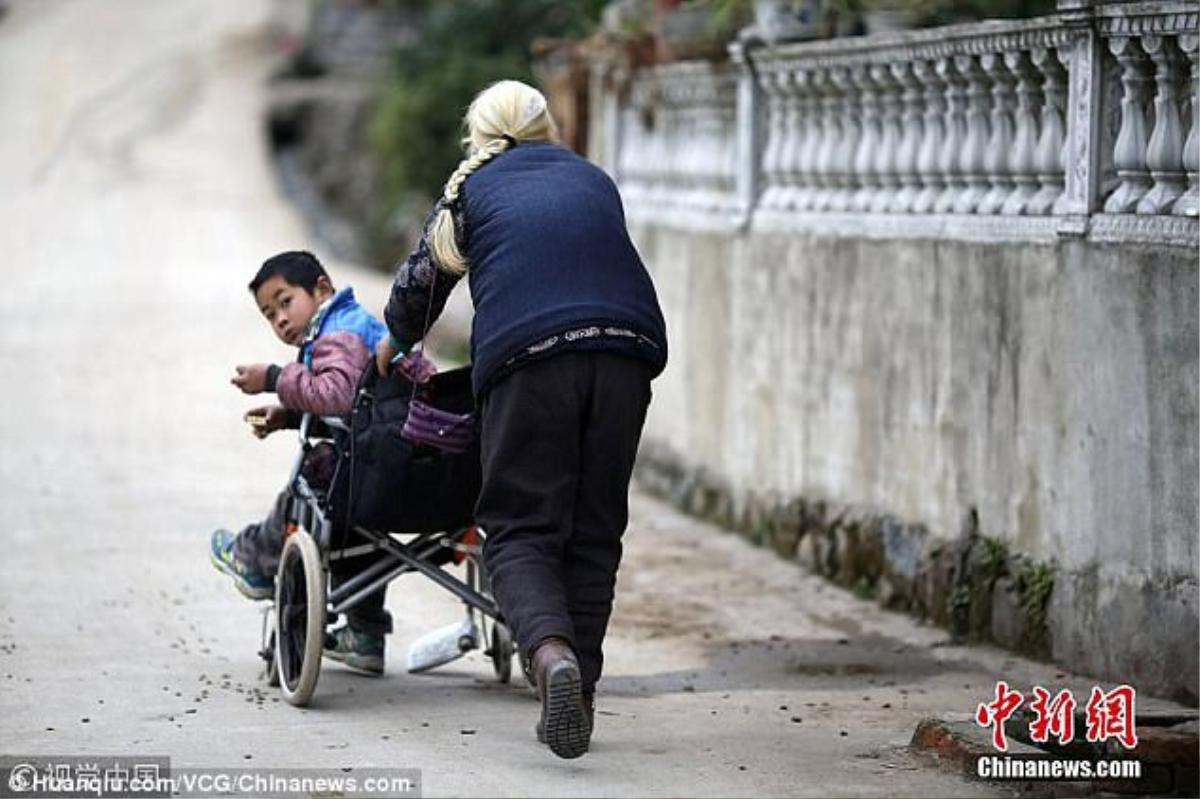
1155, 153
678, 138
1082, 122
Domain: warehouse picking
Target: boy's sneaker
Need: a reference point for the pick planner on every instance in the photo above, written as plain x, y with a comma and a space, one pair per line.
362, 652
253, 584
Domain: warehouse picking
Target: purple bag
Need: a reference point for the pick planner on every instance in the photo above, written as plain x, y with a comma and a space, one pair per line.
425, 424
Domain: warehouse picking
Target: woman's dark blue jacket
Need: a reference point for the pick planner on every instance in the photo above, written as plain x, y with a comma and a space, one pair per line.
551, 267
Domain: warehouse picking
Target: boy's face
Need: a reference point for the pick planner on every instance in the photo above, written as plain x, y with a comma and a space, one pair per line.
290, 308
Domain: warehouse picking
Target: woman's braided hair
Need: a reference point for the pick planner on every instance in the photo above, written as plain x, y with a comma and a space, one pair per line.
505, 113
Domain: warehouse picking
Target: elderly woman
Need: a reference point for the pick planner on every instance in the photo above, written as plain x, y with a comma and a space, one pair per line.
566, 338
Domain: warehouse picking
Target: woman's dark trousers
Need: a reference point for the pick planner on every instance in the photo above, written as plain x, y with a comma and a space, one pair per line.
559, 437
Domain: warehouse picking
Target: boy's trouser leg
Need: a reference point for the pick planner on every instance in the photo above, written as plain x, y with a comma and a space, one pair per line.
260, 545
369, 615
558, 441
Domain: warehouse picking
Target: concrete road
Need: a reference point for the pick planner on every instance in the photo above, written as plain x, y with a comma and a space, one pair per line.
136, 200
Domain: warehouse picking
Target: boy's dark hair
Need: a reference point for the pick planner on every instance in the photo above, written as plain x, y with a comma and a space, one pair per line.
296, 267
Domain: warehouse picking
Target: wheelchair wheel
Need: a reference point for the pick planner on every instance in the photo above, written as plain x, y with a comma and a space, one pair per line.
300, 617
501, 651
270, 646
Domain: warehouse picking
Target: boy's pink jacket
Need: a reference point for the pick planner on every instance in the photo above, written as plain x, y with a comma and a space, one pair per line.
326, 388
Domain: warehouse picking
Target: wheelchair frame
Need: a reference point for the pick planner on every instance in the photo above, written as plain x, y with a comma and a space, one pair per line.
293, 630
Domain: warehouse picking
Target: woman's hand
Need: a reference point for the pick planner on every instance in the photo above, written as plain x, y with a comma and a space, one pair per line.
416, 367
266, 420
384, 352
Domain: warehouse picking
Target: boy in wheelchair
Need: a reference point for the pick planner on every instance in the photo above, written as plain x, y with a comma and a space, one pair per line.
336, 339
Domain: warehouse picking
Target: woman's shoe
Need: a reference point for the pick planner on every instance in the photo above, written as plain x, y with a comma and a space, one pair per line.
589, 705
565, 725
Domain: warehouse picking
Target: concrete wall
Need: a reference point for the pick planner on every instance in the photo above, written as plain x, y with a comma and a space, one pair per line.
1043, 396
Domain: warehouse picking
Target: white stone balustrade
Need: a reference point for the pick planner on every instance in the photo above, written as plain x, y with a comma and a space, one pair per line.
678, 138
994, 120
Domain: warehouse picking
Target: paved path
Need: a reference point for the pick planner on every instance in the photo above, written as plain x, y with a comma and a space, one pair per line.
135, 202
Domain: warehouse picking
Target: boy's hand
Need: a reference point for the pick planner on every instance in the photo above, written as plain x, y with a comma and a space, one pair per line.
384, 352
266, 420
251, 378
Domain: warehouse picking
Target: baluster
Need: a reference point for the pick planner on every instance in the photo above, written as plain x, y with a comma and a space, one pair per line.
848, 141
663, 166
718, 146
654, 169
747, 136
1064, 204
631, 142
704, 163
650, 122
864, 156
1023, 164
932, 183
672, 143
1129, 152
808, 111
812, 164
1048, 155
693, 140
889, 138
911, 131
823, 168
727, 150
1189, 203
948, 156
627, 177
656, 117
996, 159
714, 152
799, 140
1164, 155
832, 141
682, 145
971, 166
773, 83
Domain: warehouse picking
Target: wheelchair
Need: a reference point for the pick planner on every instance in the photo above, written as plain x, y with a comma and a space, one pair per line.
391, 508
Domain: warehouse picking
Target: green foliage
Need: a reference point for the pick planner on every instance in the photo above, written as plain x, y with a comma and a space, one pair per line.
463, 46
866, 588
958, 609
994, 563
729, 13
1034, 585
1011, 9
